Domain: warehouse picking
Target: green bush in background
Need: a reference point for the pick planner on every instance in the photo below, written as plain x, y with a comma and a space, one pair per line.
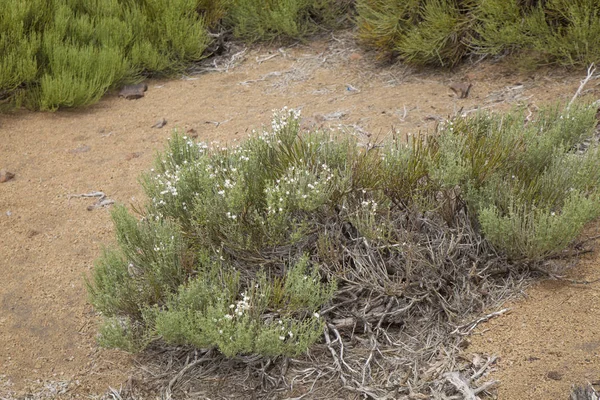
442, 32
254, 20
68, 53
556, 31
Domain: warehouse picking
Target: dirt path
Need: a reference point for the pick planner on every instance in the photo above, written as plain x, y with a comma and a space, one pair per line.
48, 241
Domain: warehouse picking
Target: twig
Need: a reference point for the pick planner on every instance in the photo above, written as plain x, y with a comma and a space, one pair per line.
584, 282
484, 368
265, 77
101, 195
472, 325
590, 72
458, 381
217, 123
267, 58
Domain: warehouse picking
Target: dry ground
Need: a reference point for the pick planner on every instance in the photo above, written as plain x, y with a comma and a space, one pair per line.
48, 241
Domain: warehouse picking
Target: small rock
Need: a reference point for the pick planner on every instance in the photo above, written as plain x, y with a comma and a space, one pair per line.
191, 132
554, 375
131, 156
80, 149
133, 92
461, 89
31, 233
162, 122
5, 175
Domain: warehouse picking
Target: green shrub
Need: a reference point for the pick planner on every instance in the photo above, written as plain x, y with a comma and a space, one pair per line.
241, 248
420, 32
266, 20
442, 32
68, 53
531, 233
438, 38
381, 23
555, 31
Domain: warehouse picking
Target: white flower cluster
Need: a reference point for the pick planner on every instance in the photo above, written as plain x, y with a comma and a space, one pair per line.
299, 187
169, 181
282, 117
370, 205
239, 307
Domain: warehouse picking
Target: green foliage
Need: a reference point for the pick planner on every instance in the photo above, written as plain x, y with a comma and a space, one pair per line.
419, 31
382, 23
68, 53
555, 31
149, 265
216, 311
528, 232
240, 248
516, 177
442, 32
438, 37
266, 20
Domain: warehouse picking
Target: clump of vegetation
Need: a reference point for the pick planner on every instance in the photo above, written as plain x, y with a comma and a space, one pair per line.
442, 32
552, 32
64, 53
420, 32
262, 247
254, 20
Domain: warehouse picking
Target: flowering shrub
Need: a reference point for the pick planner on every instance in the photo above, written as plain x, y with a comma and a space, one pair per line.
242, 247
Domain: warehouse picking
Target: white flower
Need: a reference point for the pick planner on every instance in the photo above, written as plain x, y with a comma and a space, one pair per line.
281, 337
316, 315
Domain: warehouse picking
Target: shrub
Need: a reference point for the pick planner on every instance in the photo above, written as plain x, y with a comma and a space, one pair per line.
420, 32
63, 53
284, 19
556, 31
242, 248
442, 32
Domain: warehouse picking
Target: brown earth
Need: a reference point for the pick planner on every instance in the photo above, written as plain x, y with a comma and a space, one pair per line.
49, 240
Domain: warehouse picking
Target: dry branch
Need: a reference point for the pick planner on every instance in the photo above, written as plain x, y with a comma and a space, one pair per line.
590, 73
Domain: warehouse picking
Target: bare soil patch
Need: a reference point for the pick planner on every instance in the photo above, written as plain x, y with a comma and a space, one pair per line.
49, 239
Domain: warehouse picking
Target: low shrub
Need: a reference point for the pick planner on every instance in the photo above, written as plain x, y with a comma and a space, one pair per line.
64, 53
442, 32
254, 20
244, 248
552, 32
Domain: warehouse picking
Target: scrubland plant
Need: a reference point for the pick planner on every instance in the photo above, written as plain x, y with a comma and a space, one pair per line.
251, 248
284, 19
442, 32
555, 31
67, 53
419, 31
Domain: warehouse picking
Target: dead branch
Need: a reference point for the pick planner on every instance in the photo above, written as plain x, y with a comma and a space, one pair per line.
472, 325
590, 73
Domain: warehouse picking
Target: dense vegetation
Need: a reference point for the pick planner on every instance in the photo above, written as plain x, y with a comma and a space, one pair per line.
251, 249
443, 32
68, 53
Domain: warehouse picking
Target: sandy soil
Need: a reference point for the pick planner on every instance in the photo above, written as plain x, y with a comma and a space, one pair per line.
49, 240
